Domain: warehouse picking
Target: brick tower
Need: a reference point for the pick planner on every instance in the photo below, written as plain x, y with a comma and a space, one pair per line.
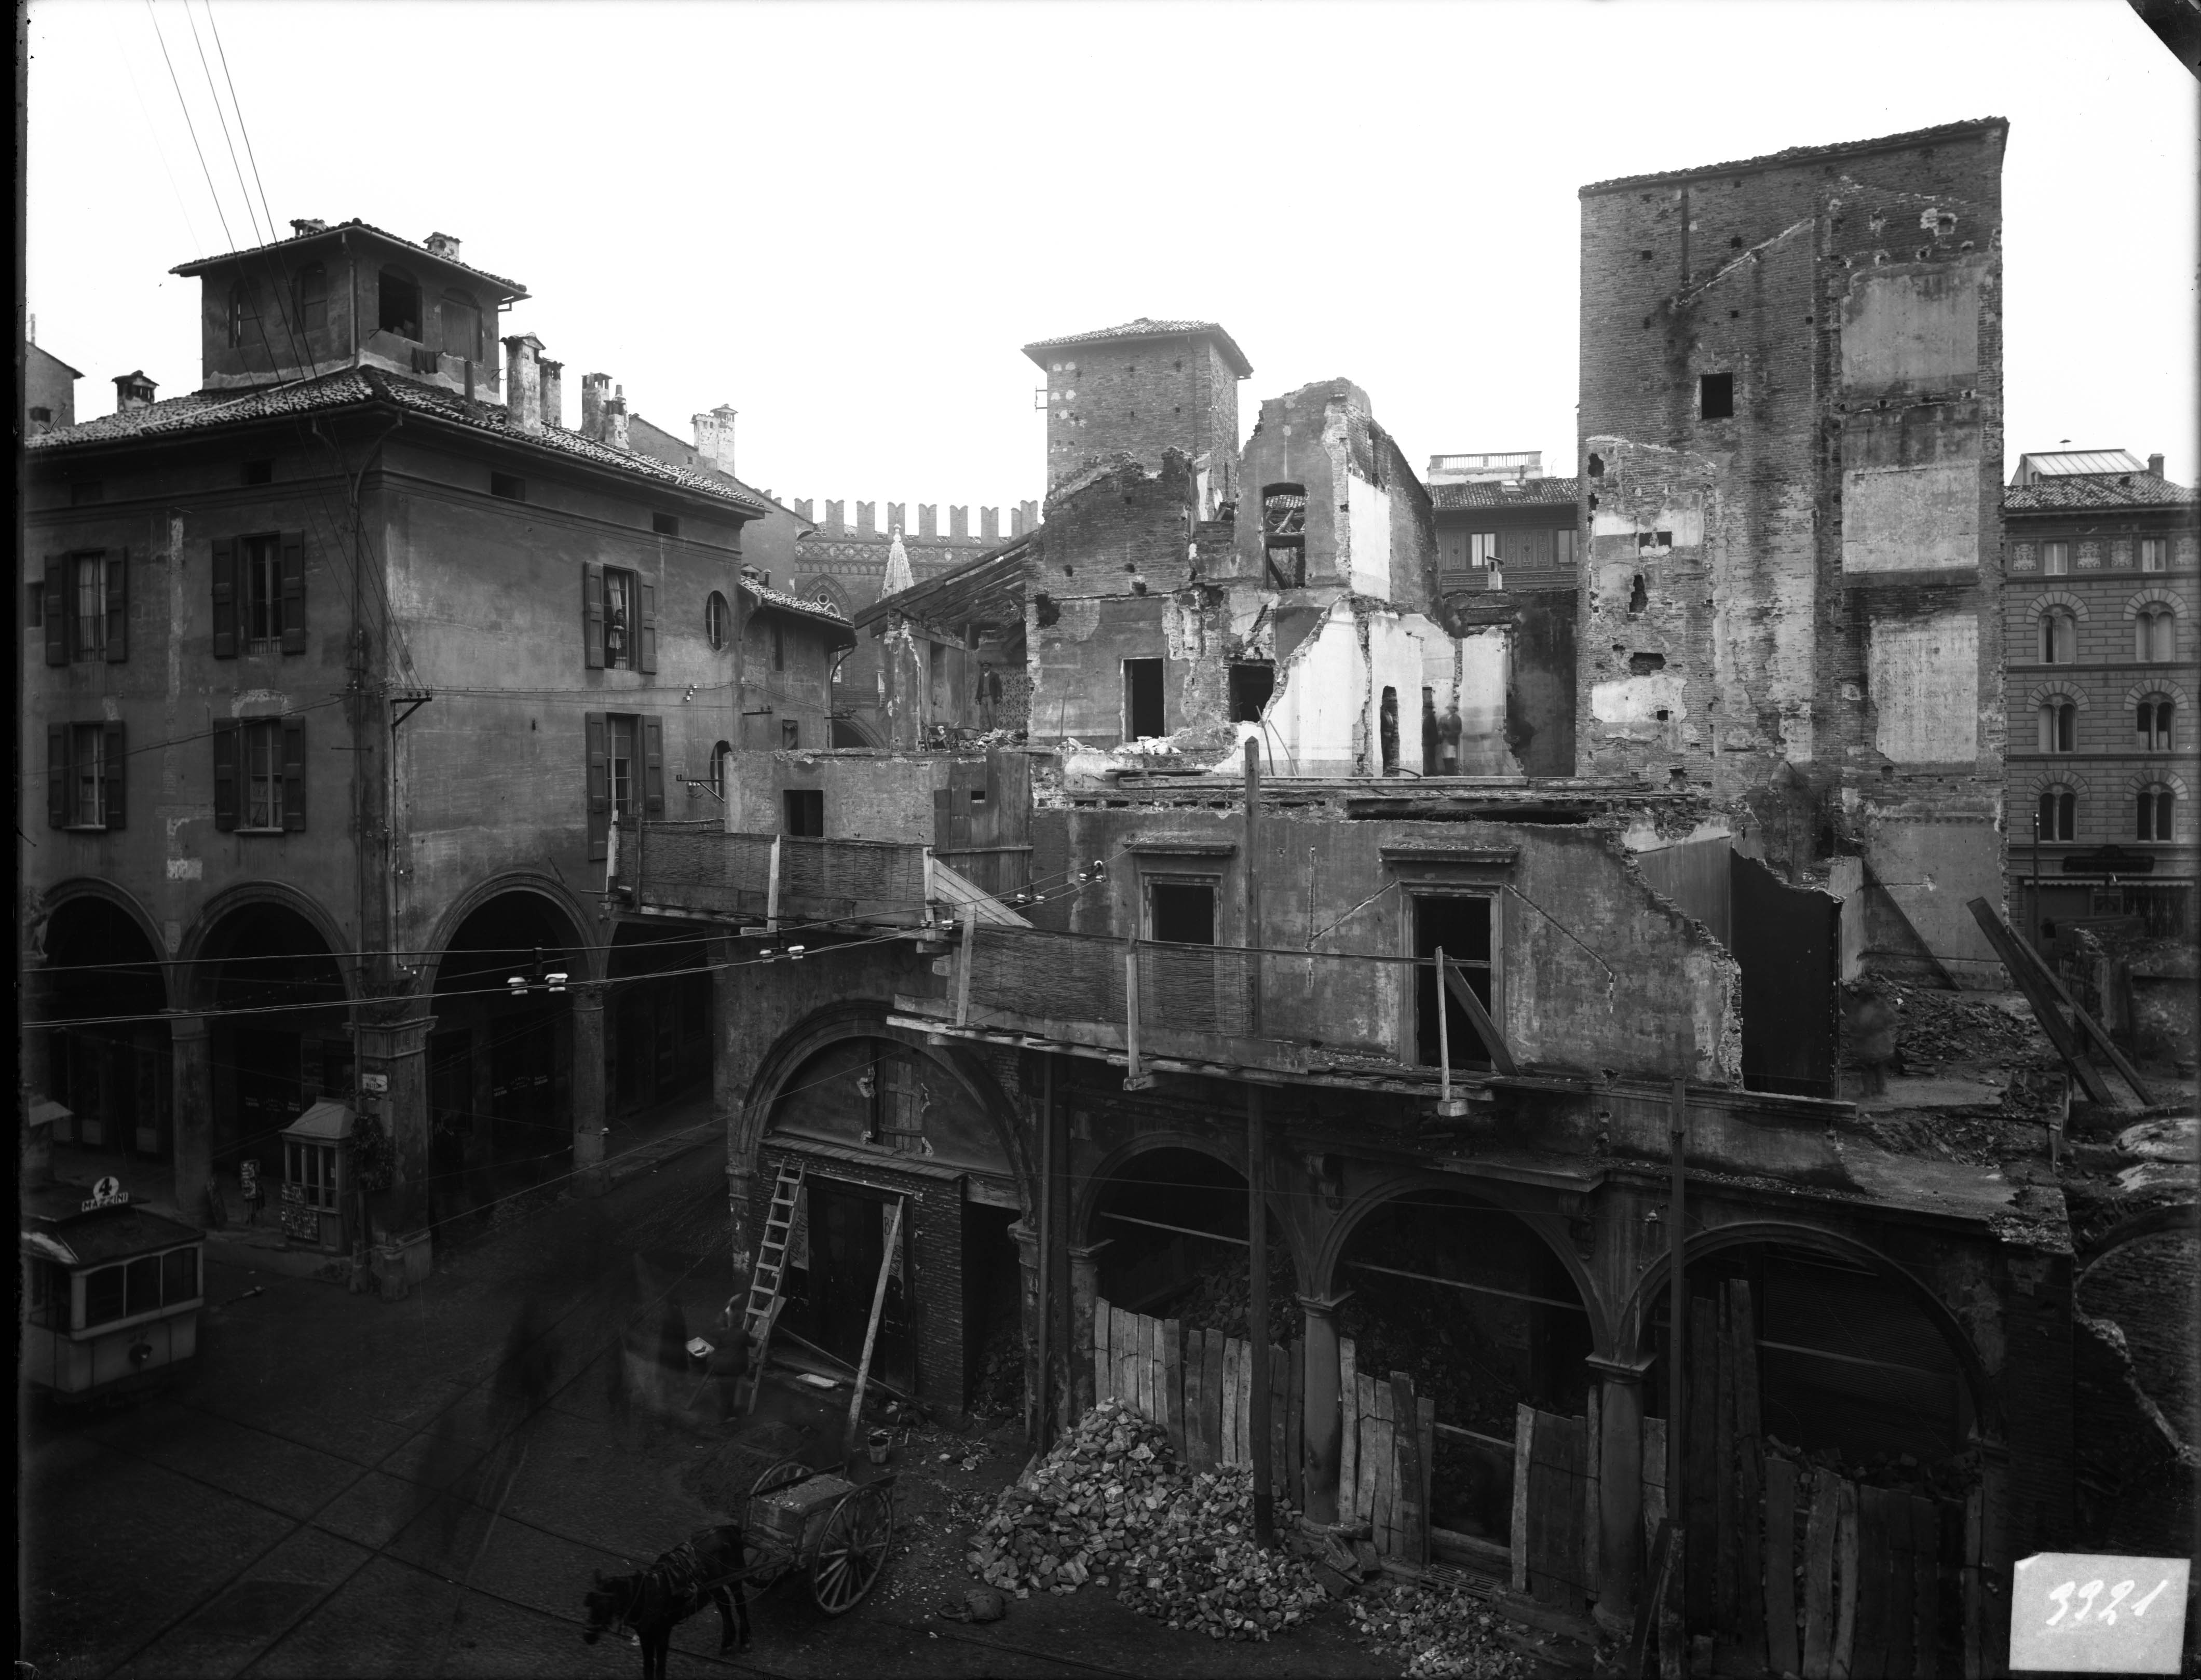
1141, 388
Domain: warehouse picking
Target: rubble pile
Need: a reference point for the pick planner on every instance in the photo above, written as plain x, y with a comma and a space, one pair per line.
997, 1390
1221, 1293
1109, 1506
1435, 1633
1933, 1029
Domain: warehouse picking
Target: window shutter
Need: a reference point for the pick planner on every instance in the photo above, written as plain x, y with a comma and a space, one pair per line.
224, 776
293, 591
592, 613
57, 775
118, 608
598, 728
225, 601
646, 648
111, 805
293, 775
653, 766
56, 612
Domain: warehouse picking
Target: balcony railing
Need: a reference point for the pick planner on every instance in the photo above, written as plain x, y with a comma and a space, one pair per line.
700, 869
1317, 1011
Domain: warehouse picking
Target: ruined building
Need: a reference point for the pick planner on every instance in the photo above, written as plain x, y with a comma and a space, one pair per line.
1791, 423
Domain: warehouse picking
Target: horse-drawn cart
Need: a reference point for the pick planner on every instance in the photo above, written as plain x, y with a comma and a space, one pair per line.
835, 1530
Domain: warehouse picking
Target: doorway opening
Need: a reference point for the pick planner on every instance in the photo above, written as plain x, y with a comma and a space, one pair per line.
1458, 923
993, 1313
1142, 699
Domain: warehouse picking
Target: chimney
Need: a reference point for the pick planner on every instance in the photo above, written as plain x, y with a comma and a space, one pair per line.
133, 390
928, 520
615, 421
2154, 466
300, 227
443, 246
523, 384
554, 393
595, 392
714, 438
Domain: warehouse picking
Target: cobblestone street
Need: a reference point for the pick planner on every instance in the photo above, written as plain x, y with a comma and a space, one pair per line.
340, 1490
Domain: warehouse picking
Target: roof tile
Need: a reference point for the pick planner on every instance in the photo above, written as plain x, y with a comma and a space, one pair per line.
1146, 327
2125, 490
1507, 493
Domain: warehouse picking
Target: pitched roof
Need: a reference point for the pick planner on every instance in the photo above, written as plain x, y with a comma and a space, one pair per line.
1146, 327
824, 612
683, 454
30, 349
1507, 493
348, 387
1916, 136
991, 582
513, 288
2124, 489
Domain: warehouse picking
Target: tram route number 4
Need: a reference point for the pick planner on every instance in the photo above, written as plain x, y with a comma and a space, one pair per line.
107, 1193
2080, 1612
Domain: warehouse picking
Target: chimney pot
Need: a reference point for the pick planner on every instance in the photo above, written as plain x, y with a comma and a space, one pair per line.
443, 246
133, 390
615, 432
2154, 466
595, 388
554, 393
302, 225
524, 381
715, 438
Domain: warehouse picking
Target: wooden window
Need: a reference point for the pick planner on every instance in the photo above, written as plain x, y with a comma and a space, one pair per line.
398, 303
1462, 926
2155, 813
622, 766
263, 777
312, 1168
461, 319
2058, 814
2059, 636
2152, 550
87, 607
260, 561
718, 620
597, 729
259, 776
1283, 536
84, 776
2056, 558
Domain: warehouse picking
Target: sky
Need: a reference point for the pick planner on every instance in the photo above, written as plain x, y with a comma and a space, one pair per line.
844, 219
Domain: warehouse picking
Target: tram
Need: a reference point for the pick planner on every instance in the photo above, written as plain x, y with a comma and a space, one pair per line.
111, 1295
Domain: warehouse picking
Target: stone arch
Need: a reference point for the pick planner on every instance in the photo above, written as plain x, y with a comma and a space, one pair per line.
2050, 600
2045, 779
2142, 600
836, 1023
2174, 1219
173, 974
2056, 689
191, 954
594, 955
865, 735
1634, 1326
1085, 1197
2157, 778
1548, 1228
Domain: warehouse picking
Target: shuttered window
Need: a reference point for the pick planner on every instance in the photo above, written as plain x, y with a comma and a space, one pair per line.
86, 608
84, 776
596, 726
259, 776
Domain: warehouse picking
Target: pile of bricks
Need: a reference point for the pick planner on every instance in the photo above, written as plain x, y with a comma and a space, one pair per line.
1435, 1634
1110, 1504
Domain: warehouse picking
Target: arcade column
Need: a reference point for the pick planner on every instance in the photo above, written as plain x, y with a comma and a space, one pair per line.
1620, 1488
1084, 1290
588, 1090
1321, 1424
392, 1077
191, 1056
727, 1109
1031, 1310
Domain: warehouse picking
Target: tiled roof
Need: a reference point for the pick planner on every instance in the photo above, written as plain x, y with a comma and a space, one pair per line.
200, 265
204, 410
1947, 131
2124, 490
1146, 327
994, 577
1504, 493
2062, 463
779, 599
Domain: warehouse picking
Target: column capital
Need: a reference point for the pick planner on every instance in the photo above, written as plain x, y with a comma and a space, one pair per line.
1324, 1305
1618, 1371
1088, 1251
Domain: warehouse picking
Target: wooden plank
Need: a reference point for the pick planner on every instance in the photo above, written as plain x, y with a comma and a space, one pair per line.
1348, 1445
1280, 1419
1233, 1451
1869, 1640
1654, 1479
1926, 1587
1150, 1367
1371, 1438
1104, 1316
1699, 1486
1898, 1650
1845, 1566
1116, 1355
2031, 959
1562, 1506
2034, 980
1820, 1531
1173, 1395
1726, 1560
1210, 1396
889, 1251
1425, 1412
1406, 1500
1592, 1448
1749, 1478
1977, 1654
1127, 1357
1381, 1450
1193, 1343
1524, 1436
1295, 1423
1779, 1573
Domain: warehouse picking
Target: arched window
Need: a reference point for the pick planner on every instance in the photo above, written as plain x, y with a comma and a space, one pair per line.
311, 287
717, 620
2154, 636
2059, 726
2154, 810
2151, 721
461, 323
2059, 636
244, 314
721, 760
2059, 814
398, 303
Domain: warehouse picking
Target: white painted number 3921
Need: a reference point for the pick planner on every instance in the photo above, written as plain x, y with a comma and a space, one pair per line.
2085, 1614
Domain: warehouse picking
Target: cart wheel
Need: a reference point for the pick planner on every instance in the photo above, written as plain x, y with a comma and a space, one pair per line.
851, 1550
784, 1474
766, 1567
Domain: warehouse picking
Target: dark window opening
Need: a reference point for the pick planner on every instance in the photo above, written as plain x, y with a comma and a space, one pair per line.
619, 602
1715, 397
2155, 812
1460, 925
260, 471
1181, 912
1283, 535
1143, 698
35, 613
1387, 726
511, 487
1597, 464
1642, 664
790, 734
718, 620
244, 313
259, 591
2059, 810
778, 647
665, 524
805, 810
1639, 597
1251, 687
2153, 717
399, 301
42, 415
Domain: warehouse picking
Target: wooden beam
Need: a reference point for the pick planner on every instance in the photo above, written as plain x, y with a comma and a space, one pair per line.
1981, 910
2028, 976
1501, 1058
872, 1329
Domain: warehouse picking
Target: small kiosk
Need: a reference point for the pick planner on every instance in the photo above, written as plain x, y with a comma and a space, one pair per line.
111, 1294
317, 1208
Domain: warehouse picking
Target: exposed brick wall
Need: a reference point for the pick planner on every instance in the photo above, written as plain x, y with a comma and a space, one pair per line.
1139, 397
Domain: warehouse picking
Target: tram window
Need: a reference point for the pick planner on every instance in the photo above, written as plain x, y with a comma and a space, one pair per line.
102, 1296
49, 1295
142, 1286
179, 1275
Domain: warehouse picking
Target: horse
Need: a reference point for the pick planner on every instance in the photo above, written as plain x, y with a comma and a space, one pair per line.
652, 1603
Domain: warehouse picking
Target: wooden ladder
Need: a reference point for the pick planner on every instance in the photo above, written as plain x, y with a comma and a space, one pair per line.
766, 1278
